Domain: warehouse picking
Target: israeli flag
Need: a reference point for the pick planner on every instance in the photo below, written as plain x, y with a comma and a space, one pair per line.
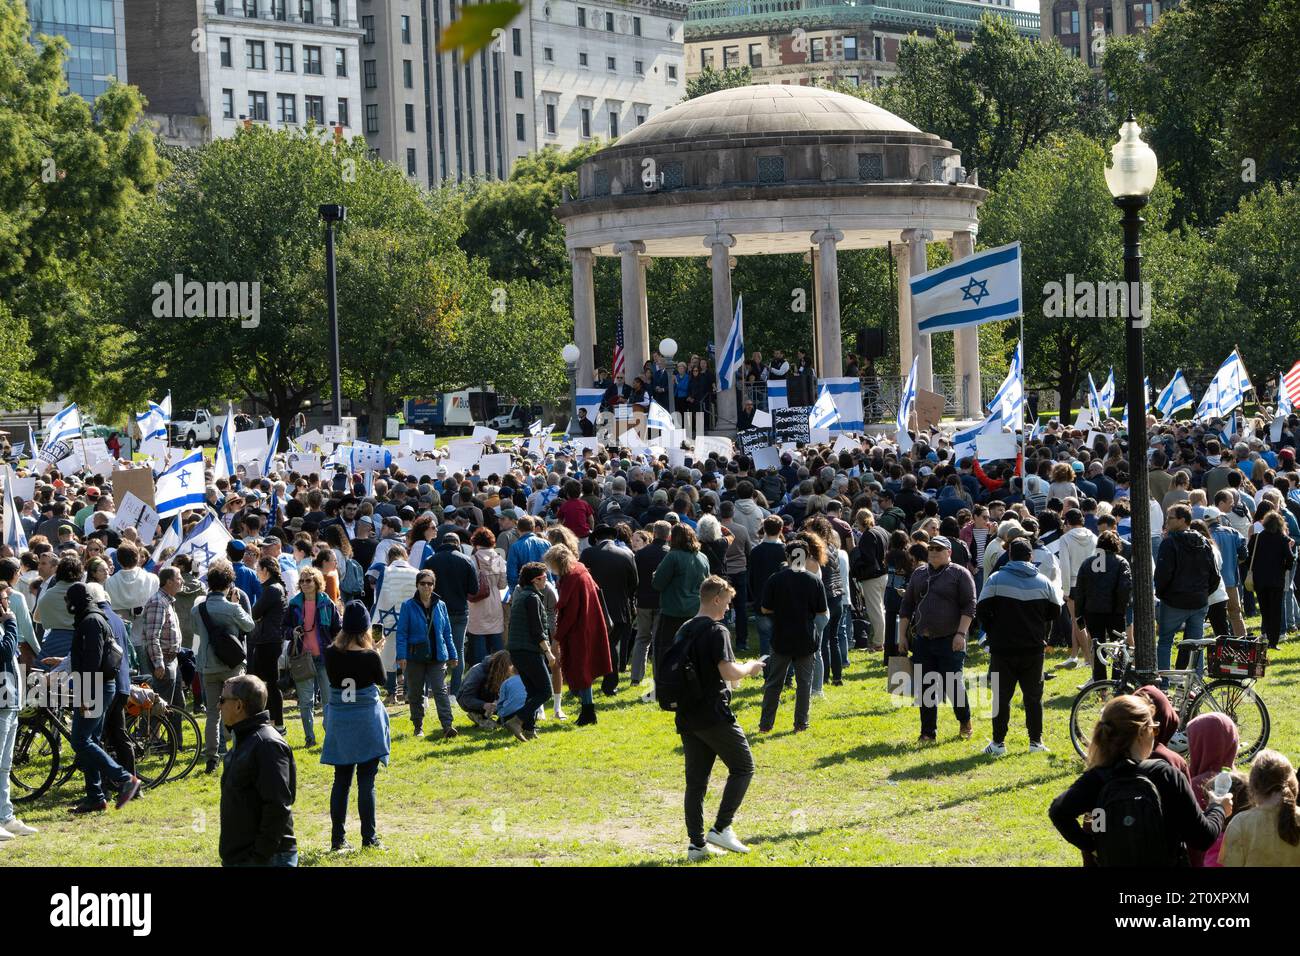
14, 535
981, 288
906, 406
824, 414
65, 425
1037, 431
659, 417
1227, 389
1009, 400
272, 448
964, 443
226, 458
180, 486
536, 427
171, 539
153, 423
1176, 395
1101, 401
205, 543
733, 350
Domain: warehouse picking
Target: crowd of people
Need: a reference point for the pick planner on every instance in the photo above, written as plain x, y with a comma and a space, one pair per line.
491, 593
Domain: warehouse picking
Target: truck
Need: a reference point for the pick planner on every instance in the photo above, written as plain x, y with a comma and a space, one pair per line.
515, 418
451, 412
194, 426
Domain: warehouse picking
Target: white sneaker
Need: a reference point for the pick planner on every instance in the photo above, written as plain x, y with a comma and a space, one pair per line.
6, 836
649, 697
696, 853
541, 714
16, 827
1038, 747
995, 749
561, 715
727, 839
1070, 663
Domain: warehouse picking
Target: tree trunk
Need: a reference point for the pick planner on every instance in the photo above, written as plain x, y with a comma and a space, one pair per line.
1067, 380
378, 408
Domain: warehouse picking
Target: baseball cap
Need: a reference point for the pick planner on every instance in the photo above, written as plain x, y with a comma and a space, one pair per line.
939, 541
510, 513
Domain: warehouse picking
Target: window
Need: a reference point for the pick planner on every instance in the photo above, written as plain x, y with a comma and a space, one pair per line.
1141, 16
410, 118
582, 16
255, 54
611, 64
308, 11
548, 54
550, 119
311, 61
286, 107
1067, 21
368, 70
250, 8
257, 105
756, 54
609, 22
706, 59
771, 169
880, 48
636, 26
406, 29
730, 56
674, 175
850, 48
408, 75
224, 45
817, 50
519, 128
672, 72
340, 61
871, 166
585, 114
228, 104
278, 10
640, 115
853, 79
519, 84
368, 24
284, 57
602, 182
410, 162
315, 110
517, 42
345, 118
372, 118
638, 67
334, 12
613, 124
582, 60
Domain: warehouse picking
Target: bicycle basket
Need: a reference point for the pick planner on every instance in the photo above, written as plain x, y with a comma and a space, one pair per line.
1238, 657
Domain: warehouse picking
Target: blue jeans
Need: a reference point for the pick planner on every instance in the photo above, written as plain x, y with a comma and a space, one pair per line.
458, 624
307, 700
479, 646
8, 734
846, 634
819, 665
1171, 620
365, 773
740, 608
94, 762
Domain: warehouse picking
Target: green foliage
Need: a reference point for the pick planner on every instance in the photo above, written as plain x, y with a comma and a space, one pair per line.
710, 80
476, 25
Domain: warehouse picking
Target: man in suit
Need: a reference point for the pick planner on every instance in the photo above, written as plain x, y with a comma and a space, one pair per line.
613, 568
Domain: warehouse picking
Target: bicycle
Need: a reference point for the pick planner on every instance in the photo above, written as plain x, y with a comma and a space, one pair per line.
1188, 692
189, 735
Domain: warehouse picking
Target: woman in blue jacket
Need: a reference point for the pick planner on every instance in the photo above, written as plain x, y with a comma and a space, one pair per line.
312, 610
426, 652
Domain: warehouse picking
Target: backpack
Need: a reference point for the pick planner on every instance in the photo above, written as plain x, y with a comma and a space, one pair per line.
110, 659
1131, 831
225, 644
353, 584
677, 682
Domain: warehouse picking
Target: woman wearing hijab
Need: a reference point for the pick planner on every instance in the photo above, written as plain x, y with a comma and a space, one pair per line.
1212, 741
580, 628
1167, 720
359, 739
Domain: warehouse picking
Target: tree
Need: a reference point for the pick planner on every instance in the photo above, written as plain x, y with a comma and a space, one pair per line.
710, 80
72, 178
996, 99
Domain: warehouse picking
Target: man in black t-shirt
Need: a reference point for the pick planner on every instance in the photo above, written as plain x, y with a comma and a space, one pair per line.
708, 728
793, 597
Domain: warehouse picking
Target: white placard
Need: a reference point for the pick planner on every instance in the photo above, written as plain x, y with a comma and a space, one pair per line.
1275, 429
788, 446
633, 440
656, 451
762, 419
155, 448
483, 433
706, 445
24, 488
1094, 435
766, 457
844, 443
819, 436
304, 463
995, 446
407, 435
590, 444
676, 458
465, 449
1084, 419
311, 439
334, 433
423, 442
494, 465
134, 513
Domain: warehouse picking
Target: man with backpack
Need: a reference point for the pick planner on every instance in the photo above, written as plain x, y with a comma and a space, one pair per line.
692, 682
220, 622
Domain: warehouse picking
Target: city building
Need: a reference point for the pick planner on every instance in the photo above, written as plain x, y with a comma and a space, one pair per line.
207, 66
812, 42
562, 73
96, 35
1081, 26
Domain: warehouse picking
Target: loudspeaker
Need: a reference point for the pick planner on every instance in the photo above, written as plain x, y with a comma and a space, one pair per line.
871, 343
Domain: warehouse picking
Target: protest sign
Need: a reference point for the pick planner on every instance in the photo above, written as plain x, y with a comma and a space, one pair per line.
762, 419
929, 409
766, 457
751, 439
134, 513
494, 465
991, 447
304, 463
136, 481
706, 445
791, 424
482, 433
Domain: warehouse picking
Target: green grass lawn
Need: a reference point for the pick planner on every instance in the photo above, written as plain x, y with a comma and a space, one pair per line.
852, 790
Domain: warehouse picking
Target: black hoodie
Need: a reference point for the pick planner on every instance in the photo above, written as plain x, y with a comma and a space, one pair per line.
1185, 572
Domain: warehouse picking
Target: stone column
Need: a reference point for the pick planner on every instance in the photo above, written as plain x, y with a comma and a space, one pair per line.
584, 316
636, 321
967, 345
1118, 18
724, 310
903, 261
829, 360
916, 240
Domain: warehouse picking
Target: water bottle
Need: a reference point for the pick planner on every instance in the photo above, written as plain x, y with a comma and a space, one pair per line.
1223, 784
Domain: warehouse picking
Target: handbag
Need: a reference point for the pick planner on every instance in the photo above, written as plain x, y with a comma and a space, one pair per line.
228, 648
302, 666
1249, 583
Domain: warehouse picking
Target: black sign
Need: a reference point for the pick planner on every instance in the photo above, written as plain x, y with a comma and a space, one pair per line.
791, 424
751, 438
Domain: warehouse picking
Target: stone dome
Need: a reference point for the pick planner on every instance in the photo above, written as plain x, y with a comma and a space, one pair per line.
766, 110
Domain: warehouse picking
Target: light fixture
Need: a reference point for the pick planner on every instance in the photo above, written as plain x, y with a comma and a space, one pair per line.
668, 349
571, 354
1132, 168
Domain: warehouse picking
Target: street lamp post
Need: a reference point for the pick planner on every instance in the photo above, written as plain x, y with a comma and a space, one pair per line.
668, 349
333, 214
1130, 177
571, 356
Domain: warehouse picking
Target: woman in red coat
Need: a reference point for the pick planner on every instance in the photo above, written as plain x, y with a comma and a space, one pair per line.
580, 628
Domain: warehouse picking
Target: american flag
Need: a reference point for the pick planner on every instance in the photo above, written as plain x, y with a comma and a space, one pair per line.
1291, 385
618, 348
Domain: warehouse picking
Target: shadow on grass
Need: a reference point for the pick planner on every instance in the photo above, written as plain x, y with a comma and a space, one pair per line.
1010, 787
864, 752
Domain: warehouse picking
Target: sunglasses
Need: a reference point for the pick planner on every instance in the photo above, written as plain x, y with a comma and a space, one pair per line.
424, 584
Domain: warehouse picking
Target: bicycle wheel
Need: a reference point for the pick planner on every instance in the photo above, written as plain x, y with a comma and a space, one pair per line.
154, 742
189, 743
36, 760
1245, 707
1087, 709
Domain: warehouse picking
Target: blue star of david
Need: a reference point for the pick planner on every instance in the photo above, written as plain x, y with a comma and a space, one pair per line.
969, 294
184, 477
388, 620
204, 550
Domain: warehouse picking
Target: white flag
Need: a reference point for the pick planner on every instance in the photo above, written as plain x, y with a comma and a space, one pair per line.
205, 543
